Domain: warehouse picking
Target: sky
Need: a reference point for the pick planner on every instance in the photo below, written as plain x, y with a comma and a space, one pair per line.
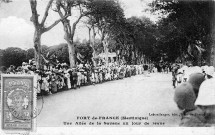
16, 29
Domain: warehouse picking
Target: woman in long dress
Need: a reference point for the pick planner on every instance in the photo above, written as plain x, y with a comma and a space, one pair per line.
68, 82
53, 83
79, 75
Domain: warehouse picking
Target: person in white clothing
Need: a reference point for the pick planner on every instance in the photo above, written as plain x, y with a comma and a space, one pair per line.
67, 75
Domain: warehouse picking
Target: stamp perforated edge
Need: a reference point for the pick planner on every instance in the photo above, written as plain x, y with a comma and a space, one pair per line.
34, 104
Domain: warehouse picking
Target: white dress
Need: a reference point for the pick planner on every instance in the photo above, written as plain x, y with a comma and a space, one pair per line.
67, 75
79, 78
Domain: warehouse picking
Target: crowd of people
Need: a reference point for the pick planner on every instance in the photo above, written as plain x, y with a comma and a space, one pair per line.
181, 73
195, 94
194, 85
53, 79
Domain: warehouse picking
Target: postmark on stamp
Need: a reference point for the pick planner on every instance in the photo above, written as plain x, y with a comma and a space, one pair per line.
18, 100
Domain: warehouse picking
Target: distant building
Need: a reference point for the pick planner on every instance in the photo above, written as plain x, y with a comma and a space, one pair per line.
112, 57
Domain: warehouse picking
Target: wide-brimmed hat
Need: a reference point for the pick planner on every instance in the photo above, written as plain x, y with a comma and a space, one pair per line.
37, 71
81, 70
198, 69
49, 73
74, 68
69, 70
23, 63
210, 71
19, 68
204, 68
206, 95
185, 96
180, 71
184, 68
95, 70
196, 80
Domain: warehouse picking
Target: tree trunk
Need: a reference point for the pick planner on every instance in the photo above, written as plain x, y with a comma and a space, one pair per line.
105, 45
72, 58
199, 59
40, 29
69, 34
93, 41
93, 45
212, 45
37, 46
69, 40
89, 34
130, 55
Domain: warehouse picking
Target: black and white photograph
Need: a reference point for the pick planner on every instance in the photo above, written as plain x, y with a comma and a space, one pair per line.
98, 64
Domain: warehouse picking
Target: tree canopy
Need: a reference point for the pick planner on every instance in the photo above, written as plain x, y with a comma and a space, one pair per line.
185, 31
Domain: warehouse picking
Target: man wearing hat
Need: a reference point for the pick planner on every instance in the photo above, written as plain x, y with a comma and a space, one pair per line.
204, 114
209, 72
179, 77
206, 101
196, 80
185, 99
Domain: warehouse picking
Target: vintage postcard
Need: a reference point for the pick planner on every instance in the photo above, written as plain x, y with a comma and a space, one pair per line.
107, 65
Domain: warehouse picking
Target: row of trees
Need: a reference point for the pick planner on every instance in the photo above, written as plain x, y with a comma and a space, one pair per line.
98, 13
16, 56
105, 19
187, 31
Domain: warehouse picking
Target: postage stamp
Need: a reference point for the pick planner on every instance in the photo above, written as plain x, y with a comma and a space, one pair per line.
18, 103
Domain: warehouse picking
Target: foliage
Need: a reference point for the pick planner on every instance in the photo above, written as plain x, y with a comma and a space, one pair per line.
85, 50
13, 56
134, 37
187, 24
30, 53
1, 57
142, 31
107, 16
137, 39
